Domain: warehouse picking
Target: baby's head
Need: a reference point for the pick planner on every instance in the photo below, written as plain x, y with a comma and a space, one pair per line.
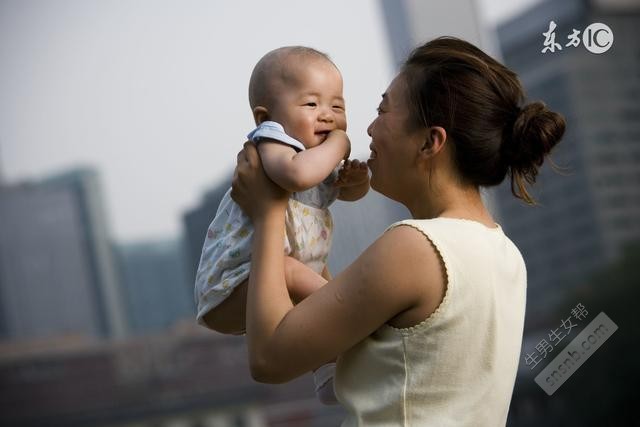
301, 89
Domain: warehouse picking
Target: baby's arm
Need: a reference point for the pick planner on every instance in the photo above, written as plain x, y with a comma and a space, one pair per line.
353, 180
295, 171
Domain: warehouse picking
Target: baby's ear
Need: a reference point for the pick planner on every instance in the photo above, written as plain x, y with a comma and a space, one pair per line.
260, 114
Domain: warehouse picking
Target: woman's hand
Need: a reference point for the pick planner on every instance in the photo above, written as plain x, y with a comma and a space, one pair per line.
252, 189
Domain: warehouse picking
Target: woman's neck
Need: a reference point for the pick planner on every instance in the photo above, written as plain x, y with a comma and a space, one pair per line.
452, 202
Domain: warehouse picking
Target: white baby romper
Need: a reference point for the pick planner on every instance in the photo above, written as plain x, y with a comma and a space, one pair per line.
226, 253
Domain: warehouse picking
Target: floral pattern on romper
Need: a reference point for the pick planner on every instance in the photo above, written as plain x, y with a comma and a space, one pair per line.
226, 252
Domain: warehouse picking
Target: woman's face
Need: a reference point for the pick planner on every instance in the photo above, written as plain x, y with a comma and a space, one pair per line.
393, 146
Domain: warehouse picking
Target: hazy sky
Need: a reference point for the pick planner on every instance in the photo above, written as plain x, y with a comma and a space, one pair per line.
154, 93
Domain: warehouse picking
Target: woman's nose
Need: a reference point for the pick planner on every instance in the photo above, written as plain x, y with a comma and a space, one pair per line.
370, 127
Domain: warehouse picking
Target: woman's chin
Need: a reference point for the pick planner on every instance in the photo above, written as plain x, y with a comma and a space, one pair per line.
377, 185
373, 184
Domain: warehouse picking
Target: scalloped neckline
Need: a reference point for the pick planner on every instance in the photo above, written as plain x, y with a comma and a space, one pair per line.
497, 227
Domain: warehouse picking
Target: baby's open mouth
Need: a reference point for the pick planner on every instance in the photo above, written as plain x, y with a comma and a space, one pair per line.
323, 134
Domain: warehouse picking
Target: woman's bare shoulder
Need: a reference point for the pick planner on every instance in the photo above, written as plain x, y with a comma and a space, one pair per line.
424, 278
411, 259
396, 274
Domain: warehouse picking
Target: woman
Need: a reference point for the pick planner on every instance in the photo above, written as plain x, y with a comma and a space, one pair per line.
427, 322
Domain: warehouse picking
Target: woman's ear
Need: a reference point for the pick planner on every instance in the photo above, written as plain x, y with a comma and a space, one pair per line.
260, 114
435, 138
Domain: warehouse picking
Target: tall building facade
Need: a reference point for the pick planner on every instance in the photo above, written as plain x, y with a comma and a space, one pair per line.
410, 23
153, 281
590, 209
57, 273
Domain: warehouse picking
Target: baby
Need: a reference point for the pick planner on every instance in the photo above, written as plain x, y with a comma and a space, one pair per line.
295, 94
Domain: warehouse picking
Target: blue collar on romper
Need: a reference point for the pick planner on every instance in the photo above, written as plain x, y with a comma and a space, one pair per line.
273, 130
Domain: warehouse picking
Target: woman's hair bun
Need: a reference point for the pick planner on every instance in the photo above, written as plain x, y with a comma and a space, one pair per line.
536, 131
453, 84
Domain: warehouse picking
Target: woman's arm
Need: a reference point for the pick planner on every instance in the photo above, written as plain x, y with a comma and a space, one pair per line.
393, 275
287, 341
299, 171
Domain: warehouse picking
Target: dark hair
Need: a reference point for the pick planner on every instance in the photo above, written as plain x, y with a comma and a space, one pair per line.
479, 102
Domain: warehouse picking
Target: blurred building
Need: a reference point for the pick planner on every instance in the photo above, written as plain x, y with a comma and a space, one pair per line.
410, 23
358, 224
591, 209
188, 377
57, 274
153, 284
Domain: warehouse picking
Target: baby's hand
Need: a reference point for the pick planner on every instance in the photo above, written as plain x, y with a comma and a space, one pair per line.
352, 172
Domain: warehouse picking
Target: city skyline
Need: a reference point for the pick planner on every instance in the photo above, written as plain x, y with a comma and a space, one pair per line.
137, 91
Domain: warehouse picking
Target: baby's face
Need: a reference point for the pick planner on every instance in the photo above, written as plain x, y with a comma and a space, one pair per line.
311, 105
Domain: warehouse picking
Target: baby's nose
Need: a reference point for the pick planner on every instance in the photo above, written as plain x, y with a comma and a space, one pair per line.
326, 115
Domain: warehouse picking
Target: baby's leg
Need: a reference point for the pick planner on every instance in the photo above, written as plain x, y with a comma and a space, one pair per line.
230, 315
301, 280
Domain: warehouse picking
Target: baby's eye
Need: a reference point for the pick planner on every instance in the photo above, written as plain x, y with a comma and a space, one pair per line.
311, 104
338, 107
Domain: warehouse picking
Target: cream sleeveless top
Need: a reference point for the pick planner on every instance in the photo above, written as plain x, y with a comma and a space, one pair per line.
458, 366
